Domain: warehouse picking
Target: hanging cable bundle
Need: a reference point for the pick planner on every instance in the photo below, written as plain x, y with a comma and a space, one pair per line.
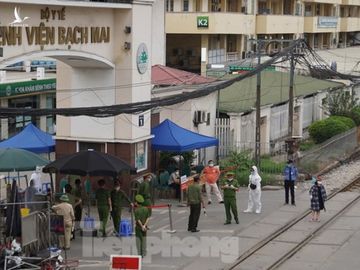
309, 59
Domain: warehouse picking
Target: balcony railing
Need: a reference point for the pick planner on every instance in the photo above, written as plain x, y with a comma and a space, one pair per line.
104, 1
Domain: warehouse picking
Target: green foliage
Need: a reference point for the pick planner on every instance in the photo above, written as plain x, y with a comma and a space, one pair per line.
355, 115
306, 145
322, 130
241, 162
340, 102
269, 166
346, 120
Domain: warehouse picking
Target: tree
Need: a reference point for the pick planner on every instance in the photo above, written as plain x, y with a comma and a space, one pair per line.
341, 103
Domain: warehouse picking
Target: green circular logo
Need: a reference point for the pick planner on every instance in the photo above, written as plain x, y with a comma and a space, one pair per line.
142, 58
8, 90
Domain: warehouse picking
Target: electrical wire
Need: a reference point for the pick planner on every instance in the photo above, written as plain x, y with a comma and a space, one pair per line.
311, 60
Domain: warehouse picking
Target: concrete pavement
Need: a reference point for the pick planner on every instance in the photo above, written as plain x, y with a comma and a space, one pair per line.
216, 246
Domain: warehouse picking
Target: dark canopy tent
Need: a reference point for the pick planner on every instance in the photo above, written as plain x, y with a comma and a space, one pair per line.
32, 139
171, 137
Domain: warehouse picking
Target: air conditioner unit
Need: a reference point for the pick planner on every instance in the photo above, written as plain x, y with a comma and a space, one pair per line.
199, 117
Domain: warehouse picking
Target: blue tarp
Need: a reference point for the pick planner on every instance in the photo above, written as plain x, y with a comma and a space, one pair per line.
171, 137
32, 139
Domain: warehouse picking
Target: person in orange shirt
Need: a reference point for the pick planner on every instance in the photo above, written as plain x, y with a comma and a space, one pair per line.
211, 174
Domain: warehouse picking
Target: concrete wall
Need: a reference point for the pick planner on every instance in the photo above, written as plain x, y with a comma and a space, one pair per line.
183, 115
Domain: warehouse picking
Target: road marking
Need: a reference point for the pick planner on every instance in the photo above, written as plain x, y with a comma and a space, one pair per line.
161, 229
182, 211
163, 212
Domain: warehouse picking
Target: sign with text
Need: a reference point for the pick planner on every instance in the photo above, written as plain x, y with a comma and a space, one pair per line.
27, 87
202, 21
125, 262
19, 33
327, 22
184, 182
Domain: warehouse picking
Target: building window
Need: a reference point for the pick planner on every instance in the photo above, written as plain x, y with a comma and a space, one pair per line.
83, 146
186, 5
169, 5
16, 124
141, 156
215, 5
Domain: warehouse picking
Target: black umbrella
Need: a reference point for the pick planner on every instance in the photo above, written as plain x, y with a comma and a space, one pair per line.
89, 162
13, 218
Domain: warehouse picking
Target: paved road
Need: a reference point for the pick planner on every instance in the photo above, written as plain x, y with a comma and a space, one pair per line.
215, 246
335, 248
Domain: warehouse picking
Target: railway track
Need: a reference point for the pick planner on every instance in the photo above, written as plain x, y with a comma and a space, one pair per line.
353, 185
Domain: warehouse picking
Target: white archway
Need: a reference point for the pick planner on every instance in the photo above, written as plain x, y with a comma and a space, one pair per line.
72, 58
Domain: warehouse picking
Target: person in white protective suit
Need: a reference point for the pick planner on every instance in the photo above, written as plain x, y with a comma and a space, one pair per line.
254, 203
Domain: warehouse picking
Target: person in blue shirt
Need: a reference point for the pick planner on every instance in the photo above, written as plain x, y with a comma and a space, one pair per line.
290, 176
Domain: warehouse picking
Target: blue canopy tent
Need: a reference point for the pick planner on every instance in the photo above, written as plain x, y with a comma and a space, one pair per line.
173, 138
32, 139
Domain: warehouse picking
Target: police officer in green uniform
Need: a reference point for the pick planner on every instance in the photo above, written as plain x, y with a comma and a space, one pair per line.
142, 216
194, 200
117, 197
145, 191
230, 186
104, 205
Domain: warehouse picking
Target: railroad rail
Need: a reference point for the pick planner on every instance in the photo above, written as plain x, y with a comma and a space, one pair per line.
355, 184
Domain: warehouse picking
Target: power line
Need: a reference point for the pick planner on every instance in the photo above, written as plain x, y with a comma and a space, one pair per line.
138, 107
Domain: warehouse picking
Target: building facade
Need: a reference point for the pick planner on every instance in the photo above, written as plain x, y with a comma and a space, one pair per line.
104, 51
205, 32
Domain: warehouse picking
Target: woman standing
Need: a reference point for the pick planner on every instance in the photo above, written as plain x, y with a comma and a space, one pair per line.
317, 199
254, 187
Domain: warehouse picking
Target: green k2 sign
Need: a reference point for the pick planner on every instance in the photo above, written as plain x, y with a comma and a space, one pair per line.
203, 21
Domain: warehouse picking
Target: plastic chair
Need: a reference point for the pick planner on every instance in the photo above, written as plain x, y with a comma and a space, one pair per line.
125, 228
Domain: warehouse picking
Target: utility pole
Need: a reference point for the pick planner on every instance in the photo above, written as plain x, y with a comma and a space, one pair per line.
258, 107
291, 96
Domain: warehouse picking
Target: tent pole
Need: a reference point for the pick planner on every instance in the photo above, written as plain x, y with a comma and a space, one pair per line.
27, 183
52, 184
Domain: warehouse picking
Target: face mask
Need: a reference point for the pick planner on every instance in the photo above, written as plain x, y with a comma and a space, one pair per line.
319, 182
117, 188
211, 165
177, 173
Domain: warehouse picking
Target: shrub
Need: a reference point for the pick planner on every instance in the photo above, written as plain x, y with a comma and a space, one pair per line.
269, 166
355, 115
241, 162
322, 130
346, 120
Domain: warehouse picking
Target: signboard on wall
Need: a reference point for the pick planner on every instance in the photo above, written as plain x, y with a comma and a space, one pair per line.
202, 21
27, 87
327, 22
